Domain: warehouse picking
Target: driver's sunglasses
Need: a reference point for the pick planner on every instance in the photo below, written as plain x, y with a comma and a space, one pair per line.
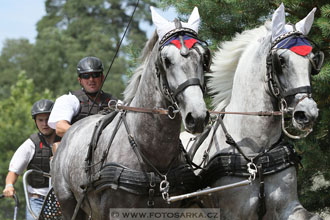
89, 75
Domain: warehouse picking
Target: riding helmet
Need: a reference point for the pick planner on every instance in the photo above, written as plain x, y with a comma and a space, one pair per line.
89, 64
41, 106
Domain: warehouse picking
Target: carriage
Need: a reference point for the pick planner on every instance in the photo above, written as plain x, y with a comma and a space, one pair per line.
134, 158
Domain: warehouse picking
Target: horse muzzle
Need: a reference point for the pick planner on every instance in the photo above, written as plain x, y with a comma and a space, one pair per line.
196, 123
305, 113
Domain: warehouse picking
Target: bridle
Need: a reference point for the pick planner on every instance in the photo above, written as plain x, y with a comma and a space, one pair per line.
169, 94
274, 70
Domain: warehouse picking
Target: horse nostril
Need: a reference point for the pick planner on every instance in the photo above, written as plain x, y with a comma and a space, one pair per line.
196, 124
190, 121
300, 117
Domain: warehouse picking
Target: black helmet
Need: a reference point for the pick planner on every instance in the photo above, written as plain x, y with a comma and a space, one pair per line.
41, 106
89, 64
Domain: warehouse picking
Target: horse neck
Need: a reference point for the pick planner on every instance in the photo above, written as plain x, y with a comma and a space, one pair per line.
157, 136
250, 94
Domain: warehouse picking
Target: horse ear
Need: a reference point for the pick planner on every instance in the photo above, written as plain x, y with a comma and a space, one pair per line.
162, 25
278, 22
304, 26
194, 20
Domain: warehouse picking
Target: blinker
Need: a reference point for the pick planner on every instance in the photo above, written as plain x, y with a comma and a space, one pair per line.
317, 62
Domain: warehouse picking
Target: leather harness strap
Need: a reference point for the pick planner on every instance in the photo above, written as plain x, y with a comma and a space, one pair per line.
160, 111
116, 176
262, 197
237, 164
189, 82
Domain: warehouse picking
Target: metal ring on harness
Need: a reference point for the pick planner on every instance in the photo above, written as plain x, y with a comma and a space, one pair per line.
284, 109
172, 111
252, 169
116, 104
164, 187
109, 103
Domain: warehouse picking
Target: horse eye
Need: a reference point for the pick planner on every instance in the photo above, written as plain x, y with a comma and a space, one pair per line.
282, 61
167, 62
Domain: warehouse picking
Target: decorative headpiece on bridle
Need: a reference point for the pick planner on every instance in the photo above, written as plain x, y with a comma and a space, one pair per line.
183, 36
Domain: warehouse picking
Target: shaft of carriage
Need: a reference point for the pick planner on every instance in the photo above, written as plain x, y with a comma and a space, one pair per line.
207, 191
25, 186
16, 204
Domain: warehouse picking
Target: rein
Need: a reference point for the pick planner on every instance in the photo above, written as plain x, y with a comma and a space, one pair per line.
171, 112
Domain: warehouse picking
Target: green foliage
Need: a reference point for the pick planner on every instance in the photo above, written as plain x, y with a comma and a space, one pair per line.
70, 31
222, 19
16, 125
323, 21
15, 56
74, 29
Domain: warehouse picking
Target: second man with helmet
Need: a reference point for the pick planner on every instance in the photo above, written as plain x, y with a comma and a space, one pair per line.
35, 154
79, 104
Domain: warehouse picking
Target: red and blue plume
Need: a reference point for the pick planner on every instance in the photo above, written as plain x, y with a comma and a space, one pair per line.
299, 45
188, 41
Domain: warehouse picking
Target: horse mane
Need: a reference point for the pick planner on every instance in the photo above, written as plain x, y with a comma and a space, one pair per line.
134, 81
225, 62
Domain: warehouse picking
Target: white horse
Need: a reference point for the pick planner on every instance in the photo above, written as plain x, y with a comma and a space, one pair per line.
242, 81
137, 160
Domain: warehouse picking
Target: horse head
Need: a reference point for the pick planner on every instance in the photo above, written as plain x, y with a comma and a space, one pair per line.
290, 64
180, 66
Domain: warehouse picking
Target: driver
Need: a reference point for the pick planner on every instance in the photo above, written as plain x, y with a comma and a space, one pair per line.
34, 153
77, 105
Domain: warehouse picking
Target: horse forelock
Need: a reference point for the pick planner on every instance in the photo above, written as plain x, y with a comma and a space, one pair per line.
225, 62
134, 81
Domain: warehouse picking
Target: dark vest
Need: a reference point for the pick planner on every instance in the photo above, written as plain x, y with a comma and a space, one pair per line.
86, 103
40, 161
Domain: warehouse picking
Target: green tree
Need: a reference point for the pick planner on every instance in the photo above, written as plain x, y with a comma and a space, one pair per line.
315, 148
222, 19
16, 125
73, 29
15, 56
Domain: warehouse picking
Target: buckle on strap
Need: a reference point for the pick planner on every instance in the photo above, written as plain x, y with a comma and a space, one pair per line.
252, 170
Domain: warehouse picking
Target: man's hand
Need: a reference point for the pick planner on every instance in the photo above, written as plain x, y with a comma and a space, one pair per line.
61, 127
9, 190
10, 181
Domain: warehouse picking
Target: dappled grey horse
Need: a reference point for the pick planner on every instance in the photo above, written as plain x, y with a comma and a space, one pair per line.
259, 72
136, 160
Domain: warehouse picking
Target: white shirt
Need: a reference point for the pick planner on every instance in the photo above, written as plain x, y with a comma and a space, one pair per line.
21, 160
65, 108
